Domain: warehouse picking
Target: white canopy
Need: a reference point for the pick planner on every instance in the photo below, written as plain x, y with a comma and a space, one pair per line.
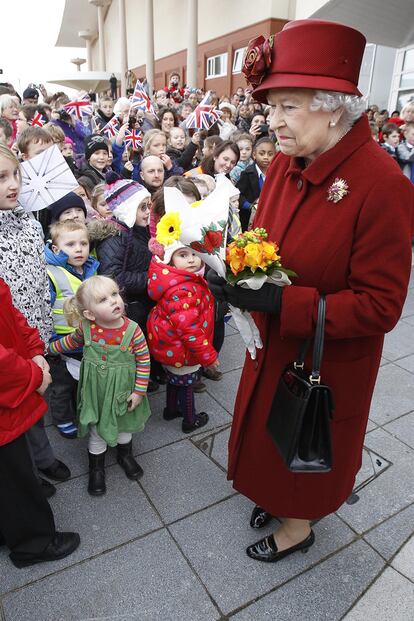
95, 81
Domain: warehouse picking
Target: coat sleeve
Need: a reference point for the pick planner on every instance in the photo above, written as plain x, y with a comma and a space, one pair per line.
31, 335
19, 377
379, 272
117, 152
111, 255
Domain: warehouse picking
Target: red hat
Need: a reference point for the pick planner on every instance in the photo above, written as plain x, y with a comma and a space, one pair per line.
307, 53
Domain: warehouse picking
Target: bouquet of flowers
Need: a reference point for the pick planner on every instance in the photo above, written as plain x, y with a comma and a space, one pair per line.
251, 261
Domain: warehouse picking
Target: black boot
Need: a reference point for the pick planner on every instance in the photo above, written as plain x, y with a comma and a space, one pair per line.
96, 485
127, 462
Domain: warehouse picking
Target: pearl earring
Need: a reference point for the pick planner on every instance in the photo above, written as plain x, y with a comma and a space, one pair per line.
332, 123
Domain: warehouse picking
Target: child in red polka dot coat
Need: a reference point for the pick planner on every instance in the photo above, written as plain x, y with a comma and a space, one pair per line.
180, 329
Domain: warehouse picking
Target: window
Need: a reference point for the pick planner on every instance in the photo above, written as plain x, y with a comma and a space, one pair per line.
217, 66
238, 59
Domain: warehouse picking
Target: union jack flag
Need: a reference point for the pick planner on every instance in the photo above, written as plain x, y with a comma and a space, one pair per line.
111, 129
204, 116
133, 138
79, 108
140, 99
38, 120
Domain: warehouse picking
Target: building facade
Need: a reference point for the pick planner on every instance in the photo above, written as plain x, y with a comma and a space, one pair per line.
204, 42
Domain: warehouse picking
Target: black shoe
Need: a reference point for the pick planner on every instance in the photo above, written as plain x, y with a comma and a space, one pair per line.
152, 386
266, 549
48, 489
96, 484
212, 374
259, 517
128, 464
57, 471
200, 420
61, 545
171, 415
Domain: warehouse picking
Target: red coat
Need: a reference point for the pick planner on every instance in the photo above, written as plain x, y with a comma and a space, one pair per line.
181, 325
358, 252
20, 405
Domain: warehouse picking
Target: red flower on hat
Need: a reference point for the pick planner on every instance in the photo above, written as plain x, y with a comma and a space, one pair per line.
257, 59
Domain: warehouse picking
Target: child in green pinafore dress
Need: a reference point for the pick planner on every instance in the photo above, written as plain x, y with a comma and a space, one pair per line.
112, 401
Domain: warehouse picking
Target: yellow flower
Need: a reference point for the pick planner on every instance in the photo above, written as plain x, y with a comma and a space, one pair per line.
252, 255
269, 251
168, 229
195, 204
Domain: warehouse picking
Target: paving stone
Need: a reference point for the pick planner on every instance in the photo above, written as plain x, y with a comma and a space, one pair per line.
403, 428
408, 320
398, 342
391, 598
393, 394
372, 465
406, 363
371, 425
230, 329
391, 491
215, 540
232, 354
159, 432
147, 580
180, 479
224, 392
408, 305
104, 522
215, 446
344, 577
389, 536
404, 561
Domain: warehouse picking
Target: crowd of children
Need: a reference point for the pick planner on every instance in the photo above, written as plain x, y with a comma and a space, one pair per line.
117, 311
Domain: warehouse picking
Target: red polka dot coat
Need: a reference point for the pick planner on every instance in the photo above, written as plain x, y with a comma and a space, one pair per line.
181, 325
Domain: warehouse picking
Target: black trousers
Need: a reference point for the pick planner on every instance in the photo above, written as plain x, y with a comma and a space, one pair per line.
62, 392
26, 519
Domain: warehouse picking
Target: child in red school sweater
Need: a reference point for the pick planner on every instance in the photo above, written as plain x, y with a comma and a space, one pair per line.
180, 329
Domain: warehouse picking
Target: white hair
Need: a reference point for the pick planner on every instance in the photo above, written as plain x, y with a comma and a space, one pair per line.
121, 102
328, 101
6, 101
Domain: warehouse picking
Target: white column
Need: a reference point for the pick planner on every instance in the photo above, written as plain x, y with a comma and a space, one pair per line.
101, 4
149, 28
192, 43
123, 45
89, 37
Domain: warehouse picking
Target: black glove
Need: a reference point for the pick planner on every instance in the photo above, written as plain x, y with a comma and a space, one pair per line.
267, 299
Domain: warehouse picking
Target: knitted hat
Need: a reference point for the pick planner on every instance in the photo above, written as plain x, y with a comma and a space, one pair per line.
63, 204
93, 143
169, 251
123, 198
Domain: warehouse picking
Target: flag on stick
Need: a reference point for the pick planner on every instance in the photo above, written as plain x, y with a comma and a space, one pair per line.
204, 116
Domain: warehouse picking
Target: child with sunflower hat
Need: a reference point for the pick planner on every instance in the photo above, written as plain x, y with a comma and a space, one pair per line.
181, 326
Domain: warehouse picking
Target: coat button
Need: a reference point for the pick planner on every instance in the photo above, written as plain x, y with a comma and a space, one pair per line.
299, 184
103, 367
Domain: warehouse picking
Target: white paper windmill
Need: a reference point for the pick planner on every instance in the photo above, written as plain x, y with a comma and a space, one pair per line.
45, 178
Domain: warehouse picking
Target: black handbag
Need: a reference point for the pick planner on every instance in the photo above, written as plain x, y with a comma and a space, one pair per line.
300, 415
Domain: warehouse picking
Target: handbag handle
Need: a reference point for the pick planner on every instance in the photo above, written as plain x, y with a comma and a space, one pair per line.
315, 377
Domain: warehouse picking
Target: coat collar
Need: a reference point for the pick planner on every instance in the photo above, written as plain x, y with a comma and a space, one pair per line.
324, 165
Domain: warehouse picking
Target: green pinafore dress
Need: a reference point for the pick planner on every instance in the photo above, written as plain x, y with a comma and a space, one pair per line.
107, 378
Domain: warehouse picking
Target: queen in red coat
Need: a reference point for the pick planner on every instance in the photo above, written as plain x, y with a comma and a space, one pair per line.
341, 211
